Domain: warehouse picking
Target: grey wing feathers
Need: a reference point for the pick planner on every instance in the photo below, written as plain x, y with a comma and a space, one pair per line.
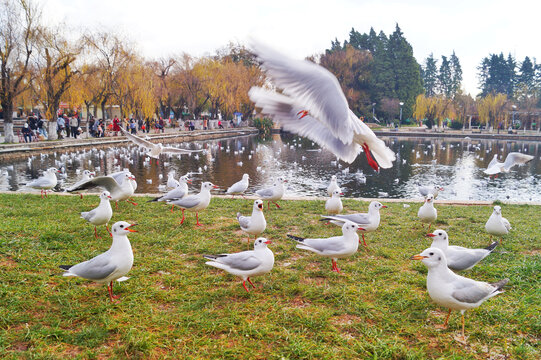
471, 294
175, 150
106, 182
244, 221
97, 268
187, 202
360, 218
242, 261
423, 190
265, 192
137, 140
516, 158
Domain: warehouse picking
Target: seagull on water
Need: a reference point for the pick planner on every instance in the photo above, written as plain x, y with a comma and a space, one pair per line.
425, 190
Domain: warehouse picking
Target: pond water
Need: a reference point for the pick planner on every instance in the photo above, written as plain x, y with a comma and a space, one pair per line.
454, 164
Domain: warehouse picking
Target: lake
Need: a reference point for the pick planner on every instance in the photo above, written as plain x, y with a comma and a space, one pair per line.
454, 164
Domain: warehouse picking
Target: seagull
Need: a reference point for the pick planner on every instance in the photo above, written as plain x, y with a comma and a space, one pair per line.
111, 265
425, 190
154, 150
45, 182
245, 264
451, 290
100, 215
87, 174
171, 181
368, 221
313, 105
120, 188
195, 203
336, 247
458, 257
427, 212
180, 191
255, 224
333, 205
273, 193
239, 187
333, 185
513, 158
496, 224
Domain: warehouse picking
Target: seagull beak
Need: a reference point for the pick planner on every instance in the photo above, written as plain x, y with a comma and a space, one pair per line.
110, 197
362, 229
189, 181
260, 206
418, 257
384, 207
268, 242
130, 229
215, 187
341, 194
132, 178
430, 235
441, 189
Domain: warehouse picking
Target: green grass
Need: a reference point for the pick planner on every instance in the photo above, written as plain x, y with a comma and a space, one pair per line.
175, 306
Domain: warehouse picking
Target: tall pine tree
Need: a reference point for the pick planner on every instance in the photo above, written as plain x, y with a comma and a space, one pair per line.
456, 74
430, 76
444, 77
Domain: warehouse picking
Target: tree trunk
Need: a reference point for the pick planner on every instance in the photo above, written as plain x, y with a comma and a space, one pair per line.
51, 129
8, 122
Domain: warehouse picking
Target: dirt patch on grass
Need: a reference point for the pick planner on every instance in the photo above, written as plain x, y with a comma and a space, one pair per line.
532, 252
345, 319
299, 302
7, 262
19, 346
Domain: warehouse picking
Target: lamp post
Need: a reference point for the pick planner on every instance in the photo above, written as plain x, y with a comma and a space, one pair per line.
513, 112
373, 112
401, 104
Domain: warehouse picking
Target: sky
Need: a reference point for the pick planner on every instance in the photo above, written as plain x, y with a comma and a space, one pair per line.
159, 28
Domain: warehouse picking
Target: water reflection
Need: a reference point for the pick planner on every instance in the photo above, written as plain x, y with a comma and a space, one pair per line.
455, 164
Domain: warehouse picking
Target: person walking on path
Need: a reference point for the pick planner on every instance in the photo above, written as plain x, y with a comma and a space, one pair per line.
74, 124
41, 129
60, 125
116, 125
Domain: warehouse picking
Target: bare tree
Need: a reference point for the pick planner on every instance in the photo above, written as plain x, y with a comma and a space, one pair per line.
18, 27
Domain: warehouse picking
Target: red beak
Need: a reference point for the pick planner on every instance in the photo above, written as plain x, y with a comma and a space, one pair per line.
362, 229
215, 187
430, 235
109, 197
384, 207
130, 229
341, 194
189, 181
268, 242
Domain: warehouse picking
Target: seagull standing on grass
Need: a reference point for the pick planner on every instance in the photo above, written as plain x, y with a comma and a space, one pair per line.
454, 291
255, 224
179, 192
111, 265
368, 222
245, 264
120, 188
45, 182
195, 203
458, 257
100, 215
239, 187
273, 193
496, 224
427, 212
333, 205
313, 105
87, 174
336, 247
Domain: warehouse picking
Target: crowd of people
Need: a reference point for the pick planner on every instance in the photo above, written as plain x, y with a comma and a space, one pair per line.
70, 126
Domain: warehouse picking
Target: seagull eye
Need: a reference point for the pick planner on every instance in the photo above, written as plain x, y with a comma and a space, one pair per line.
431, 254
121, 226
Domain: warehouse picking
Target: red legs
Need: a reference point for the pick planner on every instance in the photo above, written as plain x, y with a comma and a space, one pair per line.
197, 219
116, 205
244, 285
302, 114
463, 337
172, 207
182, 221
268, 206
111, 296
429, 225
81, 195
96, 233
335, 266
42, 193
364, 241
250, 281
131, 202
444, 326
373, 164
244, 197
107, 227
278, 206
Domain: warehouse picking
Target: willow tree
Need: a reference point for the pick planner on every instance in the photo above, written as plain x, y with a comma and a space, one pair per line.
492, 110
134, 90
18, 27
433, 108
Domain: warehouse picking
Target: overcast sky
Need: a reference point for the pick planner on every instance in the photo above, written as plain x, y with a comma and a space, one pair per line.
472, 28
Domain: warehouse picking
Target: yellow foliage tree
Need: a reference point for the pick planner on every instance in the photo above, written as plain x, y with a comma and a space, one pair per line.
433, 108
492, 110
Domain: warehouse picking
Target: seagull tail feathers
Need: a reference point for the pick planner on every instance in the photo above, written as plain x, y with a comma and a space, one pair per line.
492, 246
296, 238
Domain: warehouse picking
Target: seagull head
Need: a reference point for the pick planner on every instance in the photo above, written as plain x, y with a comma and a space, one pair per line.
333, 178
350, 228
207, 185
258, 204
337, 193
53, 170
431, 257
438, 235
281, 180
122, 228
497, 210
185, 179
245, 177
438, 188
261, 243
376, 205
429, 198
105, 195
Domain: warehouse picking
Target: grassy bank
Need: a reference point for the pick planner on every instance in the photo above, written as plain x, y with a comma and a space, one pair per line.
175, 306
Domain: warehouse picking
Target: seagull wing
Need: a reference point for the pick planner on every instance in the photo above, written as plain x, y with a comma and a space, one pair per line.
244, 221
106, 182
325, 246
311, 85
284, 111
515, 158
137, 140
178, 151
97, 268
265, 193
240, 261
187, 202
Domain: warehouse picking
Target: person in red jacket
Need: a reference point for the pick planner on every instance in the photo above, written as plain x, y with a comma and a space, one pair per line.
116, 125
